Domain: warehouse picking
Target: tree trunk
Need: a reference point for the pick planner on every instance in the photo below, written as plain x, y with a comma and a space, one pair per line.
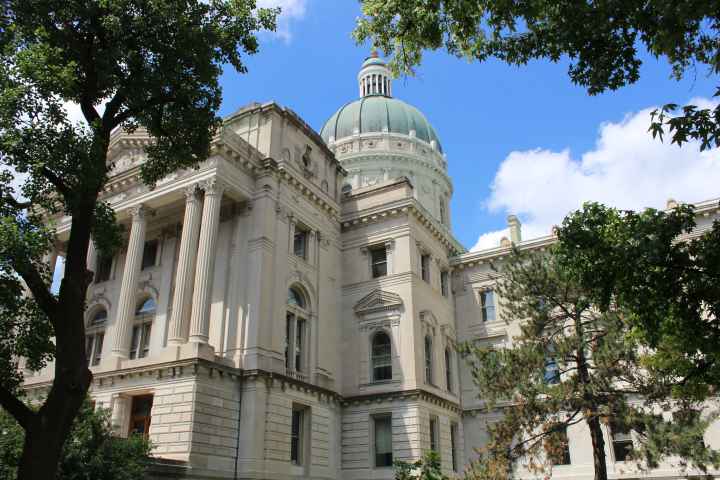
598, 445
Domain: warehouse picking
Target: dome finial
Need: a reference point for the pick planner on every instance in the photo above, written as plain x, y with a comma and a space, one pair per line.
374, 77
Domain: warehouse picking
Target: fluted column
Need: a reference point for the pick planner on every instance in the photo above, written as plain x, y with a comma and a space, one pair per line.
200, 321
128, 287
186, 268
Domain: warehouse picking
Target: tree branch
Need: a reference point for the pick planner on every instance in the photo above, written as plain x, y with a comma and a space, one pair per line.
16, 408
38, 288
57, 182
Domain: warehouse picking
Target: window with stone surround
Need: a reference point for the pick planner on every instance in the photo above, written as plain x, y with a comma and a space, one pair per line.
378, 261
561, 454
448, 369
425, 267
298, 434
454, 446
434, 435
428, 360
150, 253
445, 283
103, 268
140, 415
300, 241
382, 444
487, 305
296, 333
142, 328
381, 357
94, 336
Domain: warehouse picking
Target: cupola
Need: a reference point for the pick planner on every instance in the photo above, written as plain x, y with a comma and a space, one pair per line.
374, 77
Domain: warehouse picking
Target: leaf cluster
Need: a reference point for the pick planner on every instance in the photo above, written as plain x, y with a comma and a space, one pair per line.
91, 452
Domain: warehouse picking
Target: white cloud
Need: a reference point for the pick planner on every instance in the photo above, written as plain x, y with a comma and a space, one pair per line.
290, 10
626, 169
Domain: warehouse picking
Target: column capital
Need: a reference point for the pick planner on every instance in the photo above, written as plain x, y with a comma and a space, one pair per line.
191, 192
140, 212
213, 186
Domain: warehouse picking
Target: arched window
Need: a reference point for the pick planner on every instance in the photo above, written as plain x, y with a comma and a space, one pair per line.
94, 336
448, 369
428, 360
381, 357
144, 315
296, 334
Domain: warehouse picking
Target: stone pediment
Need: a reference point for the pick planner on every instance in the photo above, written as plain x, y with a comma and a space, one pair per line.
378, 300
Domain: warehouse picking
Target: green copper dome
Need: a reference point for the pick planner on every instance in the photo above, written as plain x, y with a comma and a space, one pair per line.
378, 114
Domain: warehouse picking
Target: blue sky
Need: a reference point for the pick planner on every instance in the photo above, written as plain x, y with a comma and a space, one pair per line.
520, 140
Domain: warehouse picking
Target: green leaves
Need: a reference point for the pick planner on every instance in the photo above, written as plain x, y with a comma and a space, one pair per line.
603, 42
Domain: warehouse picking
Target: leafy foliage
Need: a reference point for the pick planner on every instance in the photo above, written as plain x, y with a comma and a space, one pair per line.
670, 289
152, 64
92, 452
604, 42
571, 363
426, 468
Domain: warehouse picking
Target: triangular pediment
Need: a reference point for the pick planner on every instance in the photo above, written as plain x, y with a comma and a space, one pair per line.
378, 300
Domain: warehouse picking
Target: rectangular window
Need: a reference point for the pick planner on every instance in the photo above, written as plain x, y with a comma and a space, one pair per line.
296, 436
621, 440
378, 260
150, 251
140, 343
425, 267
448, 370
140, 415
299, 344
487, 304
444, 286
383, 440
453, 446
434, 435
300, 244
103, 268
428, 361
93, 348
561, 455
288, 336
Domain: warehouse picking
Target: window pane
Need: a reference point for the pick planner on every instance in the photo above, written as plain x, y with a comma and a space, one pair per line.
383, 441
97, 352
146, 307
146, 329
453, 446
140, 415
381, 357
425, 267
433, 435
135, 342
448, 370
296, 436
621, 439
299, 344
288, 333
149, 254
487, 301
296, 298
378, 258
300, 244
428, 361
99, 318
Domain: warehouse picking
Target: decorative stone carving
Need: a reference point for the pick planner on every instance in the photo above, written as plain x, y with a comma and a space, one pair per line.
378, 300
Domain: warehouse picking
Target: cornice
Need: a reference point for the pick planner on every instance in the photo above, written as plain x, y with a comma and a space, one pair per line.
472, 259
407, 206
329, 206
355, 162
417, 394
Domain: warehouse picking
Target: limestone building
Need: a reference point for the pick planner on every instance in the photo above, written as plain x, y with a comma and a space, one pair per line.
289, 309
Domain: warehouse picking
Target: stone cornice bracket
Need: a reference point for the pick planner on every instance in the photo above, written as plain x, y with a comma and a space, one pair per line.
269, 164
390, 244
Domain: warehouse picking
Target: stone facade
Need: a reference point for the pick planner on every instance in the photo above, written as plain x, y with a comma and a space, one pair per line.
288, 319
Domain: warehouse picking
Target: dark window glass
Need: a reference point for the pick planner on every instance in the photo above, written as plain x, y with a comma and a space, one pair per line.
434, 435
295, 298
149, 254
561, 457
448, 370
453, 446
428, 361
378, 258
99, 318
296, 437
103, 268
444, 284
552, 371
381, 357
425, 267
383, 441
140, 415
299, 344
621, 440
487, 303
300, 244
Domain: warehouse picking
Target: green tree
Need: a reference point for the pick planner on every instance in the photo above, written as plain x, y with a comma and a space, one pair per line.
426, 468
571, 363
155, 64
92, 452
670, 288
603, 40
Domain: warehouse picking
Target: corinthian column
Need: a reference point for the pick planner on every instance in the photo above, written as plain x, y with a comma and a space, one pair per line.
186, 268
128, 287
200, 321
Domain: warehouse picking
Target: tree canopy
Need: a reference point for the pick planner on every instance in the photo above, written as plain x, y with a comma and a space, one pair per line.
571, 363
152, 64
604, 42
92, 452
